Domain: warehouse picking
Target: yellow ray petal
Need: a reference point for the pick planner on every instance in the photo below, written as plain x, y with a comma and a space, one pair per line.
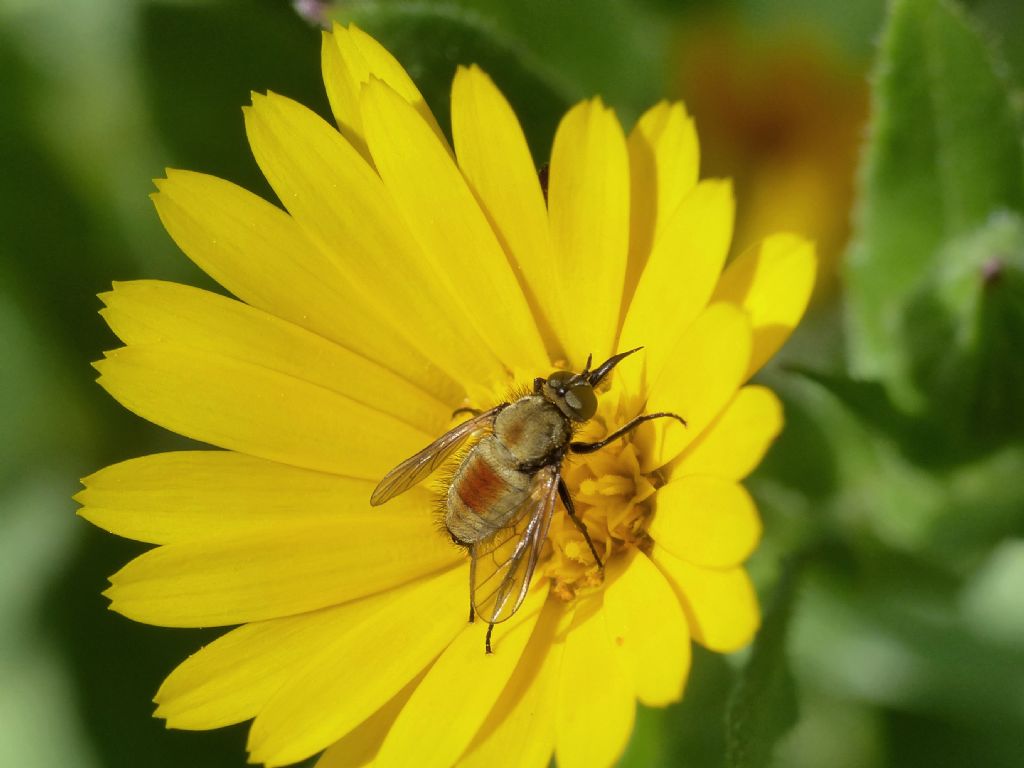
737, 440
588, 206
664, 159
496, 161
679, 277
349, 58
702, 373
261, 255
358, 747
189, 495
232, 678
266, 574
706, 520
773, 282
647, 629
252, 409
463, 680
596, 703
519, 731
720, 605
343, 206
352, 676
148, 311
440, 210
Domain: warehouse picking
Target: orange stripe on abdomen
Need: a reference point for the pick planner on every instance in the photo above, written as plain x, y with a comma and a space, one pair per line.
479, 486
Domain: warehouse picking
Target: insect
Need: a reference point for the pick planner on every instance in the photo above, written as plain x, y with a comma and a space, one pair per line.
501, 497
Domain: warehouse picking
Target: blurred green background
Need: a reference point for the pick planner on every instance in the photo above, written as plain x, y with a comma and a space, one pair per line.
893, 565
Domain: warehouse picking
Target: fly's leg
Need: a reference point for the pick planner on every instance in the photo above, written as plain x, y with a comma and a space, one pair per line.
487, 642
472, 613
636, 422
563, 491
470, 411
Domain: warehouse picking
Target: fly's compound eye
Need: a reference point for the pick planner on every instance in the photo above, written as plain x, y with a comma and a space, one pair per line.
559, 380
581, 401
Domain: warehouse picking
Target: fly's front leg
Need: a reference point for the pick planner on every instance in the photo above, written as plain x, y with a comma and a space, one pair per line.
636, 422
570, 507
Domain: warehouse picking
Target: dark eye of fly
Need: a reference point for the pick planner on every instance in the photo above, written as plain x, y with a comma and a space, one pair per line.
582, 401
559, 379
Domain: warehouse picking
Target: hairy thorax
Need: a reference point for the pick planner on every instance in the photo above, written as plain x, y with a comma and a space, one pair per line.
534, 431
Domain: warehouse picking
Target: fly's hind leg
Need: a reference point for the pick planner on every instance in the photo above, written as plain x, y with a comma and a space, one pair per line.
570, 507
487, 642
631, 425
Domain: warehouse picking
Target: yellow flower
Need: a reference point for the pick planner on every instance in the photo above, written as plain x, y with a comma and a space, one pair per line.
407, 279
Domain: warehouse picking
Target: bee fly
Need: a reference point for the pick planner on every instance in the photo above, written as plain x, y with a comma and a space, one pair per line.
501, 497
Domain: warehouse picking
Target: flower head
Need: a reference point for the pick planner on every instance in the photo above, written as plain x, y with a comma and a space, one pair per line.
405, 279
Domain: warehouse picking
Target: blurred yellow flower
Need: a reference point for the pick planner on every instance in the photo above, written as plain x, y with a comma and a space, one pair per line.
785, 114
407, 279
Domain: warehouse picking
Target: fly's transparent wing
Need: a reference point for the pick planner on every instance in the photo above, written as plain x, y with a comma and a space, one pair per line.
503, 564
418, 467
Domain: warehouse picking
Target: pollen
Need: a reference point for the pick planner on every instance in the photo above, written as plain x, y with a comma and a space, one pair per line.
613, 499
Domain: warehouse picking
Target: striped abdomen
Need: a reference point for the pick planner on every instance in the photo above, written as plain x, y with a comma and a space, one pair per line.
485, 492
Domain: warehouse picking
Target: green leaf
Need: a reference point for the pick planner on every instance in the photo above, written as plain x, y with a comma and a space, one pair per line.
618, 49
944, 153
763, 705
963, 328
868, 400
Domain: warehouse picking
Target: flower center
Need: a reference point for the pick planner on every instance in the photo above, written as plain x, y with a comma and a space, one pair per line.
612, 499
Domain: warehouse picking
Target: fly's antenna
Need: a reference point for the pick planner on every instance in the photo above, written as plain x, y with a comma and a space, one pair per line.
605, 368
586, 368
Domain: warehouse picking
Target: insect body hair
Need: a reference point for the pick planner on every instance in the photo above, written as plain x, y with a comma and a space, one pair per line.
444, 479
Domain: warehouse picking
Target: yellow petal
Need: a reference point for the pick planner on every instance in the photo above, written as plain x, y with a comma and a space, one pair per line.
596, 703
679, 277
232, 678
188, 495
252, 409
773, 282
351, 676
465, 680
343, 206
496, 161
349, 58
706, 520
588, 207
358, 747
720, 605
519, 731
251, 576
440, 210
737, 440
701, 375
647, 629
148, 311
664, 160
261, 255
